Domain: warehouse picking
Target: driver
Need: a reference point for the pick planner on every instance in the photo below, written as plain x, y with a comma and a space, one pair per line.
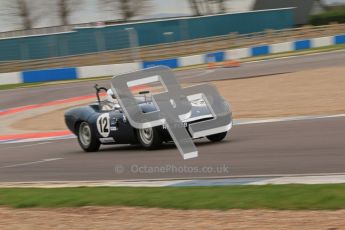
111, 102
111, 96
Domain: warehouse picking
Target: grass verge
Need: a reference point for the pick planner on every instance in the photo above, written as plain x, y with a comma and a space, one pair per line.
287, 197
24, 85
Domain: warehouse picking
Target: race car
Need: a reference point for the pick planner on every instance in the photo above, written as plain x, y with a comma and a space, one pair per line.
104, 122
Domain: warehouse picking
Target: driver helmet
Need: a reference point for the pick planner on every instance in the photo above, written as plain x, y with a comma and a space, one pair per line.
111, 96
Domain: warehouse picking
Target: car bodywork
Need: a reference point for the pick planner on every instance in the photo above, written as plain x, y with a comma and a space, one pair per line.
110, 126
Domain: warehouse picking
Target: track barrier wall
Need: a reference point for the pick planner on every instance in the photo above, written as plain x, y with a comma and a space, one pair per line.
113, 69
85, 40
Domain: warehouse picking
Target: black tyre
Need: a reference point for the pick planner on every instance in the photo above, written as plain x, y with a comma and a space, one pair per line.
217, 137
149, 138
87, 139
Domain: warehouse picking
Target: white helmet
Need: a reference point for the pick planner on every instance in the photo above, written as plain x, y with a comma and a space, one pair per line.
111, 96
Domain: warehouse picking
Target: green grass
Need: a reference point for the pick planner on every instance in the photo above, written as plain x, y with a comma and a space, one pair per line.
35, 84
291, 197
13, 86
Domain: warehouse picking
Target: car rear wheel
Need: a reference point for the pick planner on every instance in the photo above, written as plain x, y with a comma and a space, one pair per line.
217, 137
86, 138
149, 138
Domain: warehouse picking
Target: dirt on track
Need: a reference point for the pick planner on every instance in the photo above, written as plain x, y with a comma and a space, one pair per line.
154, 218
311, 92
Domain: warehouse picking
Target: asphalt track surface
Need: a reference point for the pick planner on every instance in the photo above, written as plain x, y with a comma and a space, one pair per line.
289, 147
34, 95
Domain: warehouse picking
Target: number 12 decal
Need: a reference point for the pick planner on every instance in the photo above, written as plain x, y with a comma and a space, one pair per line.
103, 125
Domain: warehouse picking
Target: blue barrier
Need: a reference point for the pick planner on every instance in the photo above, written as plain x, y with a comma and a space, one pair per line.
260, 50
302, 44
72, 73
214, 57
339, 39
49, 75
172, 63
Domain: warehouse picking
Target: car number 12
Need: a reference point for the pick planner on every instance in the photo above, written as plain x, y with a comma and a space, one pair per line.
103, 125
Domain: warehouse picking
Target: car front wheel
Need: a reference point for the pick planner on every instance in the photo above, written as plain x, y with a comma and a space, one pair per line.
217, 137
87, 139
149, 138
